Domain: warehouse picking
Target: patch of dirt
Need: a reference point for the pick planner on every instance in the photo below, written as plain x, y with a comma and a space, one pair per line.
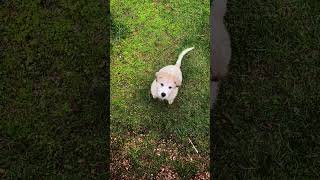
135, 142
122, 166
202, 161
119, 166
201, 176
170, 149
120, 163
167, 172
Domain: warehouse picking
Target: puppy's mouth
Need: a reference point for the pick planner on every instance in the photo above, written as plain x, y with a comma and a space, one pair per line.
162, 98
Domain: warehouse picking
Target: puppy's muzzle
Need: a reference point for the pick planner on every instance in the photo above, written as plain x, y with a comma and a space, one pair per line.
163, 94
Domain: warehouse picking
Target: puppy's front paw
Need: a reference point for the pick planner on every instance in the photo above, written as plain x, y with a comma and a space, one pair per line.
154, 97
150, 93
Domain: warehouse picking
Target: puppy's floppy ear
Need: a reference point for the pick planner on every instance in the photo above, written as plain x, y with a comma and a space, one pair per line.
177, 82
158, 75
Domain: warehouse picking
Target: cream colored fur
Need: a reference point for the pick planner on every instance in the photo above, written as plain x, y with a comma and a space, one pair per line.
168, 79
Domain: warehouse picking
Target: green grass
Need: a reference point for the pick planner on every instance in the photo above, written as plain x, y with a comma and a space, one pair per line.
52, 90
267, 121
145, 37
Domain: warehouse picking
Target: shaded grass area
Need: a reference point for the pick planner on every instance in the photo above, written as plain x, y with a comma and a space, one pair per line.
145, 37
53, 89
267, 120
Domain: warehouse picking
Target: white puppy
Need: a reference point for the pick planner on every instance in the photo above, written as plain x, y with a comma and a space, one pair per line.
168, 79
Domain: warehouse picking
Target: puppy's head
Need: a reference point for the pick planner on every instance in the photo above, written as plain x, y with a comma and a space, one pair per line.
166, 84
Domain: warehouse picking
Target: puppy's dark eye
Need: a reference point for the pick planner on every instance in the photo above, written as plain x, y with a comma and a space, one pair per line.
161, 84
170, 87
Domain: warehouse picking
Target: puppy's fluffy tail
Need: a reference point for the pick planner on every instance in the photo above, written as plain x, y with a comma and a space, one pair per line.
184, 52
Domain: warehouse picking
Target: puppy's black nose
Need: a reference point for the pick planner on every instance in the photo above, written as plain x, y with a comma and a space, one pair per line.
163, 94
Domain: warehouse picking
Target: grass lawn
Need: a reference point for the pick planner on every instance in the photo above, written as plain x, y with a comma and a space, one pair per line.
148, 134
267, 121
52, 90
